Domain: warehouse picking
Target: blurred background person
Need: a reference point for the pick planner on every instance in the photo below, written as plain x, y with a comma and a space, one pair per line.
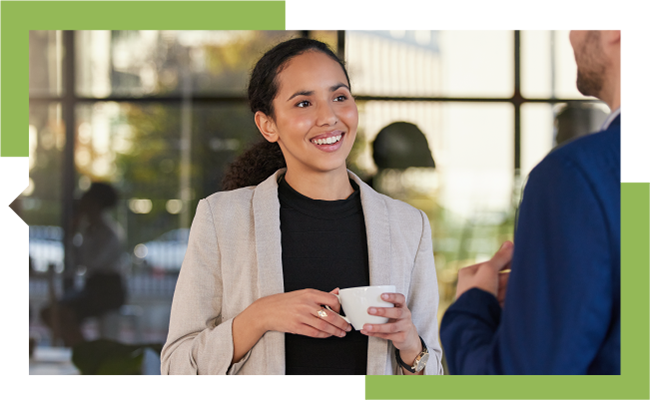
398, 147
98, 256
577, 120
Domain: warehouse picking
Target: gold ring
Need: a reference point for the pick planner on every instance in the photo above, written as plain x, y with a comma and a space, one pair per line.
322, 313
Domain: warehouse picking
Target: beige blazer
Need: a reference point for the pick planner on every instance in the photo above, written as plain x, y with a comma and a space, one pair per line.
234, 257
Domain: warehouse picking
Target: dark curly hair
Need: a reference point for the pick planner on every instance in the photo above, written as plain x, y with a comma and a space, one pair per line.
262, 159
256, 164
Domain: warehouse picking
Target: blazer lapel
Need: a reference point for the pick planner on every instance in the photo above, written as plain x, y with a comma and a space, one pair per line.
268, 241
375, 215
268, 246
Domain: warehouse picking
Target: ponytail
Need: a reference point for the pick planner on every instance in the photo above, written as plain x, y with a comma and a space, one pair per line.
257, 163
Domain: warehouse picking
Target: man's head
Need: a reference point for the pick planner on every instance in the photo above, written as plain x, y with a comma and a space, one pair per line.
613, 65
598, 56
589, 57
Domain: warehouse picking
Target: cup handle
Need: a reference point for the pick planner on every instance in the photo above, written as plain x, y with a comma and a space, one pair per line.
329, 308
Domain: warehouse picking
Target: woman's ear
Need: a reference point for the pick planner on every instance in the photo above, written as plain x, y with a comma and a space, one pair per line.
267, 127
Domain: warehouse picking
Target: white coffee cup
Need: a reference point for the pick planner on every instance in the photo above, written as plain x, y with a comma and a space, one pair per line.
356, 300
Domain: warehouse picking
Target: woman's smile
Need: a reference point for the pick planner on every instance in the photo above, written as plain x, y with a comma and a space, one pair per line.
330, 141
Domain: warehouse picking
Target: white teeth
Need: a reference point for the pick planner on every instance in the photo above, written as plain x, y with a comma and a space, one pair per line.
329, 140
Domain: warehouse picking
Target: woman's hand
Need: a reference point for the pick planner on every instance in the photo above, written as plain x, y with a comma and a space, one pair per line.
297, 312
399, 329
293, 312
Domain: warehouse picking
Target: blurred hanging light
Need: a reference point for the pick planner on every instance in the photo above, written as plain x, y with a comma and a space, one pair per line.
174, 206
140, 251
140, 206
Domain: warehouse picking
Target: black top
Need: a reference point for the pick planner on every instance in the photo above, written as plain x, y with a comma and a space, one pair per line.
324, 246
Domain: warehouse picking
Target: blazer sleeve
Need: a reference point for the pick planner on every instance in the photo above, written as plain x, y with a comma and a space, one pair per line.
199, 339
422, 299
559, 301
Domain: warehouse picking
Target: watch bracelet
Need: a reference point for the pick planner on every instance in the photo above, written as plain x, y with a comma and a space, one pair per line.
410, 368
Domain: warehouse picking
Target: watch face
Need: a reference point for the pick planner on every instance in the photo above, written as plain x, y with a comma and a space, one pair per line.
422, 362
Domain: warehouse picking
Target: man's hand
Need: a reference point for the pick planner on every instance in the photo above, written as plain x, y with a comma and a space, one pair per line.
491, 276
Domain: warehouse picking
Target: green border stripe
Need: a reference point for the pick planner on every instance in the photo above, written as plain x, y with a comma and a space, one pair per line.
635, 275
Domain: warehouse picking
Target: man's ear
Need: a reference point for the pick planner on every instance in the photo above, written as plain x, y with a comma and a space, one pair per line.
267, 127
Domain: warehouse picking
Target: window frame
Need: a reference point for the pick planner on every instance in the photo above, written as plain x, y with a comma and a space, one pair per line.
69, 101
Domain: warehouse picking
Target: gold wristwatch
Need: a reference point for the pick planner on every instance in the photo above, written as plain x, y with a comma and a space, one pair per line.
420, 361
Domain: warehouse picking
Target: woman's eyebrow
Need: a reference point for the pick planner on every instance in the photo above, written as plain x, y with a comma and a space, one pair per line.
301, 93
340, 85
311, 92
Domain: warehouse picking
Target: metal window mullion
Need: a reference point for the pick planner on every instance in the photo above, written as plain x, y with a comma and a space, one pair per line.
340, 44
517, 102
68, 167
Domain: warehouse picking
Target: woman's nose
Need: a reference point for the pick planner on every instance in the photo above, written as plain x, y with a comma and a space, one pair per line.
326, 115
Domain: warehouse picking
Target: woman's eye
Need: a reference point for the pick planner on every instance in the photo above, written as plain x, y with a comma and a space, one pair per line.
340, 98
303, 104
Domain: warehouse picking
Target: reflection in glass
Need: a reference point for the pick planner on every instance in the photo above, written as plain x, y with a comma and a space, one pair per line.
536, 134
138, 63
45, 59
141, 148
548, 65
328, 37
431, 63
473, 155
393, 63
541, 129
41, 200
574, 120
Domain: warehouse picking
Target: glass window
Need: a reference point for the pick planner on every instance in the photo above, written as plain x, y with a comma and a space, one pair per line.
469, 196
45, 60
329, 37
163, 155
431, 63
545, 126
40, 203
137, 63
548, 65
536, 134
473, 156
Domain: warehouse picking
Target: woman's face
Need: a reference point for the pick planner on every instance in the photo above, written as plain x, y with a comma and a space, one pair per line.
315, 121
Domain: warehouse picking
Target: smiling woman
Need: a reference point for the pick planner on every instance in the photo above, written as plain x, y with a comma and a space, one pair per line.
315, 123
257, 290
